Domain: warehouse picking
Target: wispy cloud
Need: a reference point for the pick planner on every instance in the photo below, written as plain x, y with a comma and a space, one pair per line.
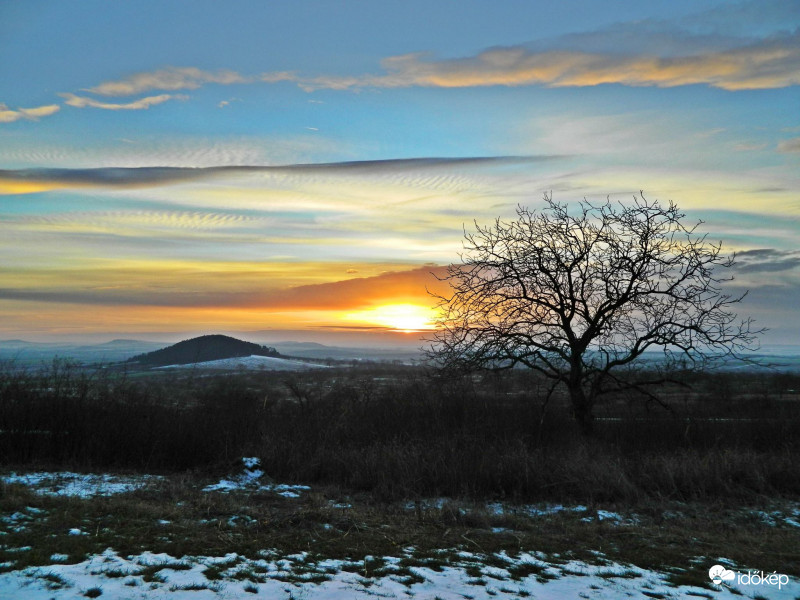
789, 146
649, 54
8, 115
181, 78
127, 221
749, 146
170, 79
769, 63
141, 104
154, 176
766, 260
195, 151
736, 18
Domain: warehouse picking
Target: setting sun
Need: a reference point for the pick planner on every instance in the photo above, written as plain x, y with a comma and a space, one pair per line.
400, 317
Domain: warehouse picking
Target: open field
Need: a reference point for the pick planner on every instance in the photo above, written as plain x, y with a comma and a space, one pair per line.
385, 480
187, 532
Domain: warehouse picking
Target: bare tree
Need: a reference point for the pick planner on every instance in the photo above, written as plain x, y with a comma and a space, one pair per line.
580, 294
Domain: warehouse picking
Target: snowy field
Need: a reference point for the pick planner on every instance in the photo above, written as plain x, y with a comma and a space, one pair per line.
152, 576
446, 574
297, 576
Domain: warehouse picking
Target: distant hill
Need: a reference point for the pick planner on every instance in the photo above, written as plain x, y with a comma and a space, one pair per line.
120, 342
202, 349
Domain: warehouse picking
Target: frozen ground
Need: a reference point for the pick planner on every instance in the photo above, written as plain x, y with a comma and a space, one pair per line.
83, 485
153, 576
447, 574
65, 483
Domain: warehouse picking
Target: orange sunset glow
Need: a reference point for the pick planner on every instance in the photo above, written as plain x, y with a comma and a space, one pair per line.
261, 176
399, 317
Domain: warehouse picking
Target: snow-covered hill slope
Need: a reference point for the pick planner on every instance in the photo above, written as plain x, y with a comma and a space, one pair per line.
254, 362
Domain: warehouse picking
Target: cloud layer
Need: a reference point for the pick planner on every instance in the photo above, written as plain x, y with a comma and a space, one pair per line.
790, 146
140, 104
171, 78
773, 62
766, 260
171, 284
35, 180
8, 115
769, 63
650, 53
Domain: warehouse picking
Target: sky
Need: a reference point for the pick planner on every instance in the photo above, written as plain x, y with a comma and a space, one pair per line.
199, 167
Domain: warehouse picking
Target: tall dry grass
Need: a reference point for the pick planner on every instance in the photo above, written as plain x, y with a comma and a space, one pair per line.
401, 432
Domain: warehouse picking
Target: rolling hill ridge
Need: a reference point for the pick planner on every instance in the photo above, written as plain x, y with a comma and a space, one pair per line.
203, 349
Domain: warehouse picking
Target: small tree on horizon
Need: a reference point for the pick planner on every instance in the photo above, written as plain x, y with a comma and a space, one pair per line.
579, 293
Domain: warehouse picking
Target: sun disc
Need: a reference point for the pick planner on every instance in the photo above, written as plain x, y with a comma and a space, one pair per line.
400, 317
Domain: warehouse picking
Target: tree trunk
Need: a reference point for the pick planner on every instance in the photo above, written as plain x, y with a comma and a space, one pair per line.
581, 409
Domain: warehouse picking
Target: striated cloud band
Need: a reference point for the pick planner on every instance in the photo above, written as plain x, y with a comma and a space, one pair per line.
32, 180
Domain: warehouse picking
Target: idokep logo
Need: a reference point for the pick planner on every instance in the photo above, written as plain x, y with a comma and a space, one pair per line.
719, 574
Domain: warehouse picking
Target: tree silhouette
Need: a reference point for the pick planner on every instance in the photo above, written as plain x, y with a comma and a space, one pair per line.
580, 293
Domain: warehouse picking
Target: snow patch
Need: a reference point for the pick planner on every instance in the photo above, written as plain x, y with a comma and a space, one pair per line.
65, 483
499, 509
250, 480
776, 518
